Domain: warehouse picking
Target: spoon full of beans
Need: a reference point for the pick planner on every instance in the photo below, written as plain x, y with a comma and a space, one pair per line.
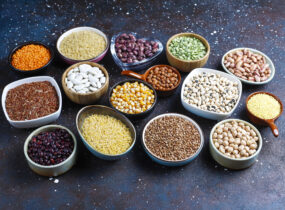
164, 79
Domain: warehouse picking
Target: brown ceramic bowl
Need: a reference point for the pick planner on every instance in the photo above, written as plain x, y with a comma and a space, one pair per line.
85, 98
185, 65
264, 122
145, 75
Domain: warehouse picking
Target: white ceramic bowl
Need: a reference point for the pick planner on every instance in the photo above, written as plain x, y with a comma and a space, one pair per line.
268, 60
205, 113
168, 162
38, 121
83, 28
229, 162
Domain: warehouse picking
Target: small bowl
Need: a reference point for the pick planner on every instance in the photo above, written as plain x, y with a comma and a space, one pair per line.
52, 170
142, 114
38, 121
143, 64
204, 113
184, 65
30, 72
85, 98
268, 60
99, 109
264, 122
229, 162
77, 29
169, 162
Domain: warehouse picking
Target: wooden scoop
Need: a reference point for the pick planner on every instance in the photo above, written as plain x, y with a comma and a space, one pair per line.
144, 76
265, 122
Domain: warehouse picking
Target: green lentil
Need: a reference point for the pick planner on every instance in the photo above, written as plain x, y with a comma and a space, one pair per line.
187, 48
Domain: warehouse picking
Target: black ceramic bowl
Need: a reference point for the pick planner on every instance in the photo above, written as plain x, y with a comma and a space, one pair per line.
30, 72
142, 114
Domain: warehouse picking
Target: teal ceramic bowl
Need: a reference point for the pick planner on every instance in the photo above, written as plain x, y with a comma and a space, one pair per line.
99, 109
167, 162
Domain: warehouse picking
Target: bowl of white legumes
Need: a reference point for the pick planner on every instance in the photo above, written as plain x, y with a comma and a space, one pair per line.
211, 94
235, 143
249, 65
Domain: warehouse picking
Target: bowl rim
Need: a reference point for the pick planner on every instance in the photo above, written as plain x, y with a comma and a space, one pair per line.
82, 28
269, 61
133, 81
22, 81
101, 67
202, 141
208, 70
234, 159
42, 129
19, 46
121, 115
127, 65
201, 38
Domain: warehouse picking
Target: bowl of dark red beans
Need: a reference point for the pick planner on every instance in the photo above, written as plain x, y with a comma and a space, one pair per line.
133, 53
51, 150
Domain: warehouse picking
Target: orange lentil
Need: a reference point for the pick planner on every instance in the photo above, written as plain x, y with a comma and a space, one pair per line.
31, 57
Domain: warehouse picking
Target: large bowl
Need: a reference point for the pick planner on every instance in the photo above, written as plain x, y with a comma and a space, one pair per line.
229, 162
187, 65
38, 121
85, 98
168, 162
99, 109
143, 64
268, 60
77, 29
52, 170
204, 113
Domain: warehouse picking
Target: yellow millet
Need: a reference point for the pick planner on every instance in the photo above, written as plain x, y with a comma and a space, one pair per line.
264, 106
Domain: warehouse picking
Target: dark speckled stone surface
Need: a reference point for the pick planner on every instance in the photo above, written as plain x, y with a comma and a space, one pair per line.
135, 182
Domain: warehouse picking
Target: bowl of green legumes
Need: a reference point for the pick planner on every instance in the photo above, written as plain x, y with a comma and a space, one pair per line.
187, 51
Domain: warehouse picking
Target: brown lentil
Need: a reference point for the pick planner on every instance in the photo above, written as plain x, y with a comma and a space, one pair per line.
172, 138
31, 100
162, 78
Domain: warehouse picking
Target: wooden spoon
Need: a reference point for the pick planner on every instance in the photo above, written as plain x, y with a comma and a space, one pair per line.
265, 122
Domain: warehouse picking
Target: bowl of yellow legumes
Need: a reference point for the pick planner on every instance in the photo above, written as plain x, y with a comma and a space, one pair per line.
133, 98
82, 44
106, 133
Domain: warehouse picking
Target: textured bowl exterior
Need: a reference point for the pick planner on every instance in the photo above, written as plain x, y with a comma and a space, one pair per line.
99, 109
231, 163
54, 170
38, 121
86, 98
204, 113
183, 65
268, 60
173, 163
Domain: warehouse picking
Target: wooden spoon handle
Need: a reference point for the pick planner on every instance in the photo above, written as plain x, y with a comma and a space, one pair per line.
273, 128
133, 74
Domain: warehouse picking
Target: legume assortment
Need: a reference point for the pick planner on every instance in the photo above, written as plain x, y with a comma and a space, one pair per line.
211, 92
235, 139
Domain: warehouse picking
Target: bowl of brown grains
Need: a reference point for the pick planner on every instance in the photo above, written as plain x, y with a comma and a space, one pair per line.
32, 102
172, 139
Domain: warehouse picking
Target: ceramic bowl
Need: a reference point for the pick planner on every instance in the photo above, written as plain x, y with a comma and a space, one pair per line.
186, 65
143, 64
268, 60
31, 72
139, 115
229, 162
53, 170
99, 109
38, 121
85, 98
77, 29
204, 113
168, 162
